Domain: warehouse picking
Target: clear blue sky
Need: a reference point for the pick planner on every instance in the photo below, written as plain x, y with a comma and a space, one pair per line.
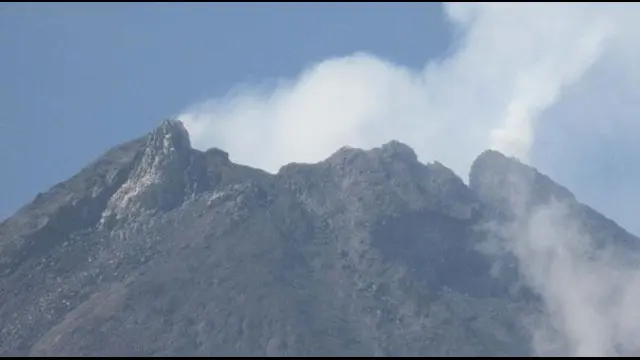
77, 79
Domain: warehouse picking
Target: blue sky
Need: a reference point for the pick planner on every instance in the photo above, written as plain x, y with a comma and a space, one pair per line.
77, 79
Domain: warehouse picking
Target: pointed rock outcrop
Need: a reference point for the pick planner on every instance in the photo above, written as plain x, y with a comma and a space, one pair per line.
159, 179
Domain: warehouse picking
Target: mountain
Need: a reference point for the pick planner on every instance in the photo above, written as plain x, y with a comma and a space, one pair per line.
158, 249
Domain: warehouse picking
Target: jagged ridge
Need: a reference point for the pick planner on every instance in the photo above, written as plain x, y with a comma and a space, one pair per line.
159, 249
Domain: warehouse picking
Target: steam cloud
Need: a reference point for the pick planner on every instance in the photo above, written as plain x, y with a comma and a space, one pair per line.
515, 63
590, 293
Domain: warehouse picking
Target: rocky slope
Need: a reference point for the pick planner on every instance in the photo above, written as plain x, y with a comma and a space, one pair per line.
157, 249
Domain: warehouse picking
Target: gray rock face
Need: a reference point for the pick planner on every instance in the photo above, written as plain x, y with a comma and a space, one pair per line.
157, 249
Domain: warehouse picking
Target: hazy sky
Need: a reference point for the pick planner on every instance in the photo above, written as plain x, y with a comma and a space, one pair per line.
76, 79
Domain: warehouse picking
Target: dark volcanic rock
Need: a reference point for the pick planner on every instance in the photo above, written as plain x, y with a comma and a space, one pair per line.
157, 249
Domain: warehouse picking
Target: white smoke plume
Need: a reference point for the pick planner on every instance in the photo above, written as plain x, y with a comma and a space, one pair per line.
591, 296
514, 63
590, 293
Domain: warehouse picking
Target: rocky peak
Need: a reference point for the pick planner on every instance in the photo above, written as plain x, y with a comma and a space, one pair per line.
393, 150
511, 186
217, 156
397, 151
159, 179
385, 178
171, 135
